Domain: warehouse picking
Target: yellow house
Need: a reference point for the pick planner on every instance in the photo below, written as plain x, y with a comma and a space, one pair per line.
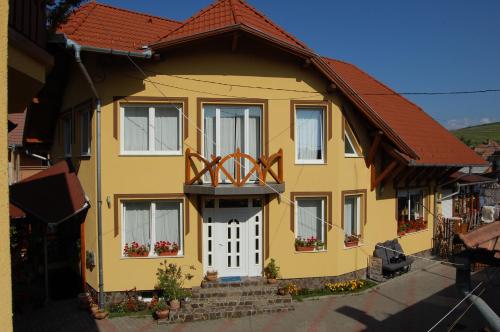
232, 139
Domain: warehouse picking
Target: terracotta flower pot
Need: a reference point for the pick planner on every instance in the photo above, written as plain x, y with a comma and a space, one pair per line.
351, 243
135, 254
299, 248
168, 253
175, 304
271, 280
101, 314
162, 314
411, 230
211, 276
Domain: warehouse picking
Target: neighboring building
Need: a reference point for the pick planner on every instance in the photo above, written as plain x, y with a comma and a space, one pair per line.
490, 152
326, 150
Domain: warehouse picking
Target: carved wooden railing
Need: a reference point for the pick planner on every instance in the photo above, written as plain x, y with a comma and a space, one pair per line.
257, 169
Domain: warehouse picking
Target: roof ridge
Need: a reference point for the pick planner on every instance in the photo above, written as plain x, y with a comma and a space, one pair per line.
193, 17
233, 12
257, 12
86, 16
136, 12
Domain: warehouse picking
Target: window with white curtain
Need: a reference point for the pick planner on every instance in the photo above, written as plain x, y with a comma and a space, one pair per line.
309, 129
67, 125
85, 133
411, 205
310, 218
352, 215
151, 129
148, 222
227, 128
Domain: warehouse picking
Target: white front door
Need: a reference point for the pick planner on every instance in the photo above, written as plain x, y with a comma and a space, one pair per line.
232, 238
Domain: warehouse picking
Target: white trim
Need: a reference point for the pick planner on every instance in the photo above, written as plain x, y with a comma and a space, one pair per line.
85, 113
351, 155
323, 145
151, 131
152, 226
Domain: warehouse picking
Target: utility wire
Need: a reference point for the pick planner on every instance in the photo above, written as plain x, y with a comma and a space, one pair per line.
287, 199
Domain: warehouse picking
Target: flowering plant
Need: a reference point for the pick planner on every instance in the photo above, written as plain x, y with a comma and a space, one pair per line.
345, 286
352, 238
166, 246
135, 249
309, 242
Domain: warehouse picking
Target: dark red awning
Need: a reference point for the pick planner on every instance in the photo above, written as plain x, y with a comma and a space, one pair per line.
52, 195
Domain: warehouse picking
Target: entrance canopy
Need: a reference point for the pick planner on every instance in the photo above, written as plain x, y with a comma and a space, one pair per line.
52, 195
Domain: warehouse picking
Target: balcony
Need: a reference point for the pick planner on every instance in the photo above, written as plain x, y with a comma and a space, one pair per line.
234, 174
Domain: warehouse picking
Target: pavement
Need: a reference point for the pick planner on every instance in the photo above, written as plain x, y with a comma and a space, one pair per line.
412, 302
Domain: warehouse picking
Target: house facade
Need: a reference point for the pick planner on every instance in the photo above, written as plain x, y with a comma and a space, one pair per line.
229, 137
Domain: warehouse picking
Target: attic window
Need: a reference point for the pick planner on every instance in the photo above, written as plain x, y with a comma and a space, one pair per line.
350, 143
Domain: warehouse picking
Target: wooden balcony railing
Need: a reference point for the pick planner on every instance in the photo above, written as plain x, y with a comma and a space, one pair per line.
246, 168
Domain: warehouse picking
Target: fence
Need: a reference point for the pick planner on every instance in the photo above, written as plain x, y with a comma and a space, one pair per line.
445, 241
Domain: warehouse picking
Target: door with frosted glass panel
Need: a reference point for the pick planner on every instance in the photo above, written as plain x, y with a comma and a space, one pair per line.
228, 128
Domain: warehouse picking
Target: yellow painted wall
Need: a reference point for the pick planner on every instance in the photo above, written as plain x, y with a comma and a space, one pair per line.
165, 174
5, 275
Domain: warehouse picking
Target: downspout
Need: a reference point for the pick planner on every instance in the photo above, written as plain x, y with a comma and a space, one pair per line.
78, 59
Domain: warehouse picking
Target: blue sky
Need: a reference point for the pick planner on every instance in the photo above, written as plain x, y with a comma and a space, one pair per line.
412, 46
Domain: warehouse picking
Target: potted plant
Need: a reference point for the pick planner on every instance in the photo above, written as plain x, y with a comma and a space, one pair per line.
271, 271
161, 309
166, 248
320, 245
351, 240
170, 279
135, 249
211, 275
411, 227
308, 244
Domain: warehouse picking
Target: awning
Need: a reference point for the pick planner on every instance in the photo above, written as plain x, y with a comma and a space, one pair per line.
52, 195
485, 237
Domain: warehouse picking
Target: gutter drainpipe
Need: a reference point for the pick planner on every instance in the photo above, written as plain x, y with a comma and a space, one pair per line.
77, 48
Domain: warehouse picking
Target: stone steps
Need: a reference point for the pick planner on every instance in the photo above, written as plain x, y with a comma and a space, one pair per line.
230, 300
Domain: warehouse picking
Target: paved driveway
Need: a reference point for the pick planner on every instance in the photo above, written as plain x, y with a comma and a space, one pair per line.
413, 302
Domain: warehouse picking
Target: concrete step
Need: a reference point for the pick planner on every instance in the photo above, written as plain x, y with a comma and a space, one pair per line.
200, 293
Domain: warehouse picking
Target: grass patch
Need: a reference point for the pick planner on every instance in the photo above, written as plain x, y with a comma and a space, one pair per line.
305, 293
475, 135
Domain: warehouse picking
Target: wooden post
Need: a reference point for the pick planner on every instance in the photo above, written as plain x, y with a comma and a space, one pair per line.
384, 174
280, 166
373, 149
188, 166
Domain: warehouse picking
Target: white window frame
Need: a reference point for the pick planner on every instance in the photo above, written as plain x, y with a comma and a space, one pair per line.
323, 123
358, 212
85, 113
348, 138
407, 193
152, 226
67, 144
151, 134
246, 138
323, 223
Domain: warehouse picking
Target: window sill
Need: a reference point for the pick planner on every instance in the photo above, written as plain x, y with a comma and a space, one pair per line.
311, 162
352, 156
354, 247
152, 257
311, 252
122, 154
411, 233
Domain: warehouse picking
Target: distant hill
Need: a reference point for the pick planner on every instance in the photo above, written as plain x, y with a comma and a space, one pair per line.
475, 135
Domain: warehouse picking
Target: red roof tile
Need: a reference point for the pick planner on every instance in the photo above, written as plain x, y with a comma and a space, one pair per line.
98, 25
485, 237
227, 13
433, 143
16, 135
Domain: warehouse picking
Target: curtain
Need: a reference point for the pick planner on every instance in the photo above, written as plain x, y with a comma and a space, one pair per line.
136, 129
167, 221
254, 117
167, 128
351, 215
309, 126
231, 136
137, 217
309, 218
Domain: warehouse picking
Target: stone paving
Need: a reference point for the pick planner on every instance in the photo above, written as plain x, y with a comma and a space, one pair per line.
412, 302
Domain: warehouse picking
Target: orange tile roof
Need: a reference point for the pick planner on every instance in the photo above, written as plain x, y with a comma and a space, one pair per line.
227, 13
485, 237
433, 143
16, 135
98, 25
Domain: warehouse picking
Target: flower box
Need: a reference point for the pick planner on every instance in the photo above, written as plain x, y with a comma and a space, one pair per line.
411, 230
302, 248
135, 249
136, 254
169, 253
351, 243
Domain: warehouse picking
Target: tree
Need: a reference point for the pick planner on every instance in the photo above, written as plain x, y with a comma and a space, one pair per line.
58, 12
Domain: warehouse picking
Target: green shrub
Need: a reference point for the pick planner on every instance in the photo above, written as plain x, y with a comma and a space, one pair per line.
272, 270
170, 280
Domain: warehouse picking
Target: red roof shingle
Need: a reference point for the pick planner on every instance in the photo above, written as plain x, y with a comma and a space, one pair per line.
227, 13
433, 143
98, 25
16, 135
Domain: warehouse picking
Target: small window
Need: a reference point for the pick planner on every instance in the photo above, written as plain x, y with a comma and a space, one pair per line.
351, 145
352, 215
410, 205
152, 129
85, 133
67, 124
309, 128
310, 218
148, 223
